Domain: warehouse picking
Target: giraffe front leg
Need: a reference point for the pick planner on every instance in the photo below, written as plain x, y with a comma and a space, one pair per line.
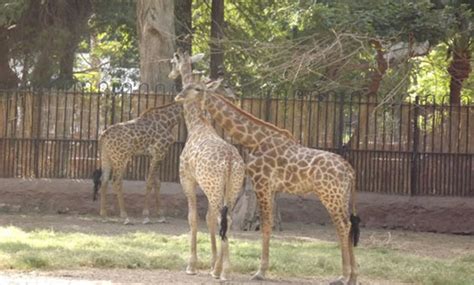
188, 187
264, 198
151, 183
157, 187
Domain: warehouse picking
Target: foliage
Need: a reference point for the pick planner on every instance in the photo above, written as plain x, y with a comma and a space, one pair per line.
430, 79
278, 45
10, 11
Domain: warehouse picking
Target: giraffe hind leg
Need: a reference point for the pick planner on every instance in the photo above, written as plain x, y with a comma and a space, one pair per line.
340, 218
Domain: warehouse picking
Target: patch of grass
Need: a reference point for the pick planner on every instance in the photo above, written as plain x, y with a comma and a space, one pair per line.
45, 249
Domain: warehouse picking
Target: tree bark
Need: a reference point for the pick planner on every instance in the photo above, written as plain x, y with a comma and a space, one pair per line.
155, 23
363, 130
183, 29
246, 213
183, 24
8, 78
217, 25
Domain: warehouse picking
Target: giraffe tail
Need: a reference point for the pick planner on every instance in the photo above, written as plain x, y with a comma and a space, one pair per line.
96, 178
355, 220
225, 208
223, 229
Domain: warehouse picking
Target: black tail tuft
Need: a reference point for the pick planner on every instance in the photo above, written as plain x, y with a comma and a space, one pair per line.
223, 230
96, 178
355, 229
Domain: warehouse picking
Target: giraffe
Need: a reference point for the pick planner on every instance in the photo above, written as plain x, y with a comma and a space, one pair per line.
216, 166
278, 163
149, 134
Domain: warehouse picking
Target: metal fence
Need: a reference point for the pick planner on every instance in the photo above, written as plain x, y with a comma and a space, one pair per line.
418, 148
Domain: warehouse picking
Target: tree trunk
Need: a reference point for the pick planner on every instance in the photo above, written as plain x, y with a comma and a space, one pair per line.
43, 69
459, 69
155, 23
246, 214
8, 78
183, 29
183, 24
217, 25
364, 129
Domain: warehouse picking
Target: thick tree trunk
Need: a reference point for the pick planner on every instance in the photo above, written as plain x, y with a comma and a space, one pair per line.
217, 25
246, 214
364, 129
183, 24
8, 78
183, 29
459, 69
155, 41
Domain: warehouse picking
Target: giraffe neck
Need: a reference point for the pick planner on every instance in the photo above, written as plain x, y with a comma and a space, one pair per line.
186, 72
194, 116
245, 128
168, 115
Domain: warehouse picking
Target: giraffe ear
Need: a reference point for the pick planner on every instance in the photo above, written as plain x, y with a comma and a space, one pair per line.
213, 85
197, 57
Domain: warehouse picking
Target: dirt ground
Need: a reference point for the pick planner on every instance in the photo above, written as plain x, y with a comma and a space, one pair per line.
66, 205
427, 214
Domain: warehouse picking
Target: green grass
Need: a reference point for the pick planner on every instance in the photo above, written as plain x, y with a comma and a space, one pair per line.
49, 250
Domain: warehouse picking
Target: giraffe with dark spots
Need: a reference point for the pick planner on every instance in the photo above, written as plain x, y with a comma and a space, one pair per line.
216, 166
327, 175
149, 134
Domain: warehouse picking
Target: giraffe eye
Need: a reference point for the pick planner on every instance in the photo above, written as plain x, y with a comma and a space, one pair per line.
198, 89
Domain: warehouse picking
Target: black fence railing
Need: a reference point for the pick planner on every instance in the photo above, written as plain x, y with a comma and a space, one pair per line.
419, 148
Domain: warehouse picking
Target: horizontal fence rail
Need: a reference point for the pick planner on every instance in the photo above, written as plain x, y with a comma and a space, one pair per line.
422, 147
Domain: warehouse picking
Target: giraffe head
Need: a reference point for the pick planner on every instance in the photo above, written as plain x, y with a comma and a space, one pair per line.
197, 91
180, 60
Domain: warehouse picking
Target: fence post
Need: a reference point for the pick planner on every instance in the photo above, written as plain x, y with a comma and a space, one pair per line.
341, 126
414, 155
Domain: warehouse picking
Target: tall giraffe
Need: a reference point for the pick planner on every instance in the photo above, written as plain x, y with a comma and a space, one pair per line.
278, 163
209, 161
149, 134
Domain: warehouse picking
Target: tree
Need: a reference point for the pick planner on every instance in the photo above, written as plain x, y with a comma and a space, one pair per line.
155, 24
217, 33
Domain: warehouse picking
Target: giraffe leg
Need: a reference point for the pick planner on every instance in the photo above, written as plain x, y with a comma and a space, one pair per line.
103, 189
339, 217
188, 187
150, 184
224, 252
117, 185
354, 269
264, 198
157, 187
211, 219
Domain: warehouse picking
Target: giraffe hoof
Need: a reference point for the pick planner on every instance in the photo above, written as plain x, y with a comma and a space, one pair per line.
127, 222
339, 281
214, 275
162, 220
146, 220
191, 271
258, 276
224, 277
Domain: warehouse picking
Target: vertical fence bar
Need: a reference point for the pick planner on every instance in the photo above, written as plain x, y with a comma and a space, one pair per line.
414, 156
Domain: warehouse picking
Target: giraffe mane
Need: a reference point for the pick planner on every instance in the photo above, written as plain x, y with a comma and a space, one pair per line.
152, 109
254, 119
